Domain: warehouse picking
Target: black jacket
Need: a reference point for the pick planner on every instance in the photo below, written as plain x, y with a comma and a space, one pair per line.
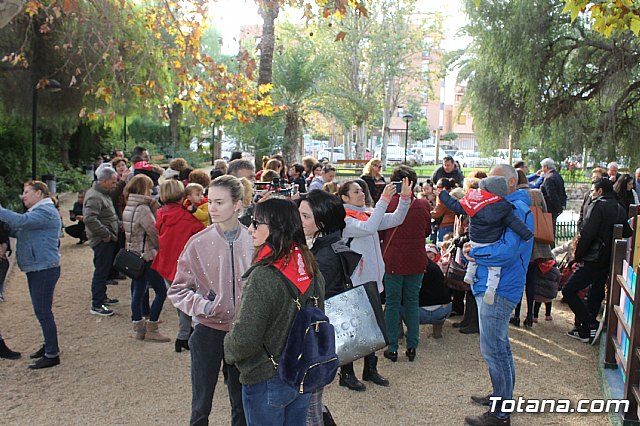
553, 191
594, 243
336, 262
439, 173
374, 191
434, 291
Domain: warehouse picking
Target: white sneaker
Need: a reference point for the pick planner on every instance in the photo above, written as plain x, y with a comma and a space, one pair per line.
468, 279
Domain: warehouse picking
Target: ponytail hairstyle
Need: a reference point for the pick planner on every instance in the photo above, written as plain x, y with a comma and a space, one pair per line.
230, 183
285, 229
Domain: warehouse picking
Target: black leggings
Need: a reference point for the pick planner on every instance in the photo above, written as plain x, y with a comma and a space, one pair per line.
547, 309
530, 291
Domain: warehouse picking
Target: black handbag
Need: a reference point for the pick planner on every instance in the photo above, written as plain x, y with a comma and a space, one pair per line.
129, 262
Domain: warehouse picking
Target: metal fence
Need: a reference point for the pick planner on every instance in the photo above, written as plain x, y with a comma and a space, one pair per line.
566, 231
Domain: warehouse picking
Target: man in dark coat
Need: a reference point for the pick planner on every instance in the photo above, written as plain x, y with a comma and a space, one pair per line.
594, 251
448, 170
553, 190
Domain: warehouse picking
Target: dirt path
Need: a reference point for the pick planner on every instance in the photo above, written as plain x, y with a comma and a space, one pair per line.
107, 377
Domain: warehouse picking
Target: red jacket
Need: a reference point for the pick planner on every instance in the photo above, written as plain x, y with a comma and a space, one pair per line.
175, 226
405, 253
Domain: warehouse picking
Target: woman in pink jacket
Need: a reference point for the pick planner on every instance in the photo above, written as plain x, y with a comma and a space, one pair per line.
207, 286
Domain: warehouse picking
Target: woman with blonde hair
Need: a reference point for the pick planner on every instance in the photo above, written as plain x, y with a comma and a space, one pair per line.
208, 286
371, 174
139, 225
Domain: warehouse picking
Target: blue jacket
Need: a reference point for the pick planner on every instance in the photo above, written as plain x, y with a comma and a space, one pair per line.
37, 232
488, 224
510, 252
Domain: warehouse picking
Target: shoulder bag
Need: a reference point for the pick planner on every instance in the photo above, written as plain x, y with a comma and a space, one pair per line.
543, 223
129, 262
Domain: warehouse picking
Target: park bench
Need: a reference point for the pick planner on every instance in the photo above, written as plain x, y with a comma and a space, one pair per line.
351, 165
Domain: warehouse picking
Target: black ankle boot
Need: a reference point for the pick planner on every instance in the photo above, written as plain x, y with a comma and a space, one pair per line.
472, 327
181, 344
7, 353
350, 381
370, 372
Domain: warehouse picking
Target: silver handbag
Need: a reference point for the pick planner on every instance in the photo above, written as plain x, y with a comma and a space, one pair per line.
358, 320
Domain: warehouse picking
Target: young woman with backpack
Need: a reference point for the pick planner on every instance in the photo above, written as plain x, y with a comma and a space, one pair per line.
267, 313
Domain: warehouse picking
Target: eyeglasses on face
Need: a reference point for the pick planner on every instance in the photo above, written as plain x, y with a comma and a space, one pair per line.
256, 223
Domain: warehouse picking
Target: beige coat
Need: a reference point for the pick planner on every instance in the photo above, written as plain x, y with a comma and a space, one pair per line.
142, 235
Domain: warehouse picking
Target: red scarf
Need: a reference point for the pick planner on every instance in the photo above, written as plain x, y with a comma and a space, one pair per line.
355, 214
295, 270
476, 200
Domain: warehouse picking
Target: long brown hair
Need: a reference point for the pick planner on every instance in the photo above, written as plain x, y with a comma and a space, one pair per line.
285, 230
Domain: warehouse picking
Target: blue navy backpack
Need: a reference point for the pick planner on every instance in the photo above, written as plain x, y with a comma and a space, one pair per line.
308, 361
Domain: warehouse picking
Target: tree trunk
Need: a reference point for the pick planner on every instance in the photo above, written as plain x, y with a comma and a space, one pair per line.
361, 139
389, 107
175, 117
348, 137
291, 136
269, 10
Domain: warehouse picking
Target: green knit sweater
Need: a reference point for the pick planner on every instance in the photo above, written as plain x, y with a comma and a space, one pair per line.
265, 317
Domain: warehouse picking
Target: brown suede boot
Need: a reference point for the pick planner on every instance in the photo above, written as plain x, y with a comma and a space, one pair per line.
153, 334
437, 331
139, 329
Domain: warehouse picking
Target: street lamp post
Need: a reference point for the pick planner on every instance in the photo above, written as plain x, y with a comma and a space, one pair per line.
406, 117
52, 86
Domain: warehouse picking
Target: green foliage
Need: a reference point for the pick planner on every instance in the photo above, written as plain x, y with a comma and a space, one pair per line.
450, 136
15, 140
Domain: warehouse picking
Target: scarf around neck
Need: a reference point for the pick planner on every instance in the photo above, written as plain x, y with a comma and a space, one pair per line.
291, 266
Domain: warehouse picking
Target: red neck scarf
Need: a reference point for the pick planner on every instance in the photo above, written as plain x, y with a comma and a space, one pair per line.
355, 214
292, 267
477, 199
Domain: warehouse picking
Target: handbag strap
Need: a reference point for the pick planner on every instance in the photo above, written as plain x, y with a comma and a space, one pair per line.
386, 246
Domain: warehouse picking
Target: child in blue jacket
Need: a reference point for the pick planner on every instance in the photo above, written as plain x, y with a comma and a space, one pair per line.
489, 215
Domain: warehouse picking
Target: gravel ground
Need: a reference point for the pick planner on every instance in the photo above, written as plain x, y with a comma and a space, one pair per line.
108, 377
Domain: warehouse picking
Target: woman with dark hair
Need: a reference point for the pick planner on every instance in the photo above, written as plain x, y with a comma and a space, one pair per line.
207, 287
139, 223
368, 201
405, 260
441, 211
37, 231
322, 216
362, 226
267, 312
625, 193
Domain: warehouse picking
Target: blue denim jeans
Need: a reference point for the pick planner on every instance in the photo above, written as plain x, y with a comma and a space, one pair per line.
431, 317
403, 289
138, 290
495, 347
41, 287
274, 403
103, 254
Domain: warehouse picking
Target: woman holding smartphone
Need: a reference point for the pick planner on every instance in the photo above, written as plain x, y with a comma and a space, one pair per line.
361, 231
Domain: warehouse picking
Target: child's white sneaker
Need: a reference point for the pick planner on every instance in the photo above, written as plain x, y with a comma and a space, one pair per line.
469, 279
489, 297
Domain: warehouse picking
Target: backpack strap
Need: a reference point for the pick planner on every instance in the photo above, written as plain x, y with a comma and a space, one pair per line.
288, 284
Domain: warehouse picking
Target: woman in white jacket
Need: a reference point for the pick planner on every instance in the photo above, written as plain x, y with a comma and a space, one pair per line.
361, 232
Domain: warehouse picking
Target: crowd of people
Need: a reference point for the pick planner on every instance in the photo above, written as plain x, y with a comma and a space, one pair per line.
219, 245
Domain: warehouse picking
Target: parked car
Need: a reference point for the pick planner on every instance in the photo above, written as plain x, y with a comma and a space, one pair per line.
396, 154
502, 156
471, 159
429, 155
331, 154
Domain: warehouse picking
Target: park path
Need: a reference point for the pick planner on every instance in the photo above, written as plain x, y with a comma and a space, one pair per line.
109, 378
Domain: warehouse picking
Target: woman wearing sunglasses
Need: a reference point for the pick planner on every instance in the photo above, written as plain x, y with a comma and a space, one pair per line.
208, 287
267, 313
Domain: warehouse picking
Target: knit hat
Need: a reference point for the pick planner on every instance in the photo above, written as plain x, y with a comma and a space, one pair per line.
496, 185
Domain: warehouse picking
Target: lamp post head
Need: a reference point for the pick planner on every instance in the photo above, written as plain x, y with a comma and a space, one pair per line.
49, 85
407, 117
